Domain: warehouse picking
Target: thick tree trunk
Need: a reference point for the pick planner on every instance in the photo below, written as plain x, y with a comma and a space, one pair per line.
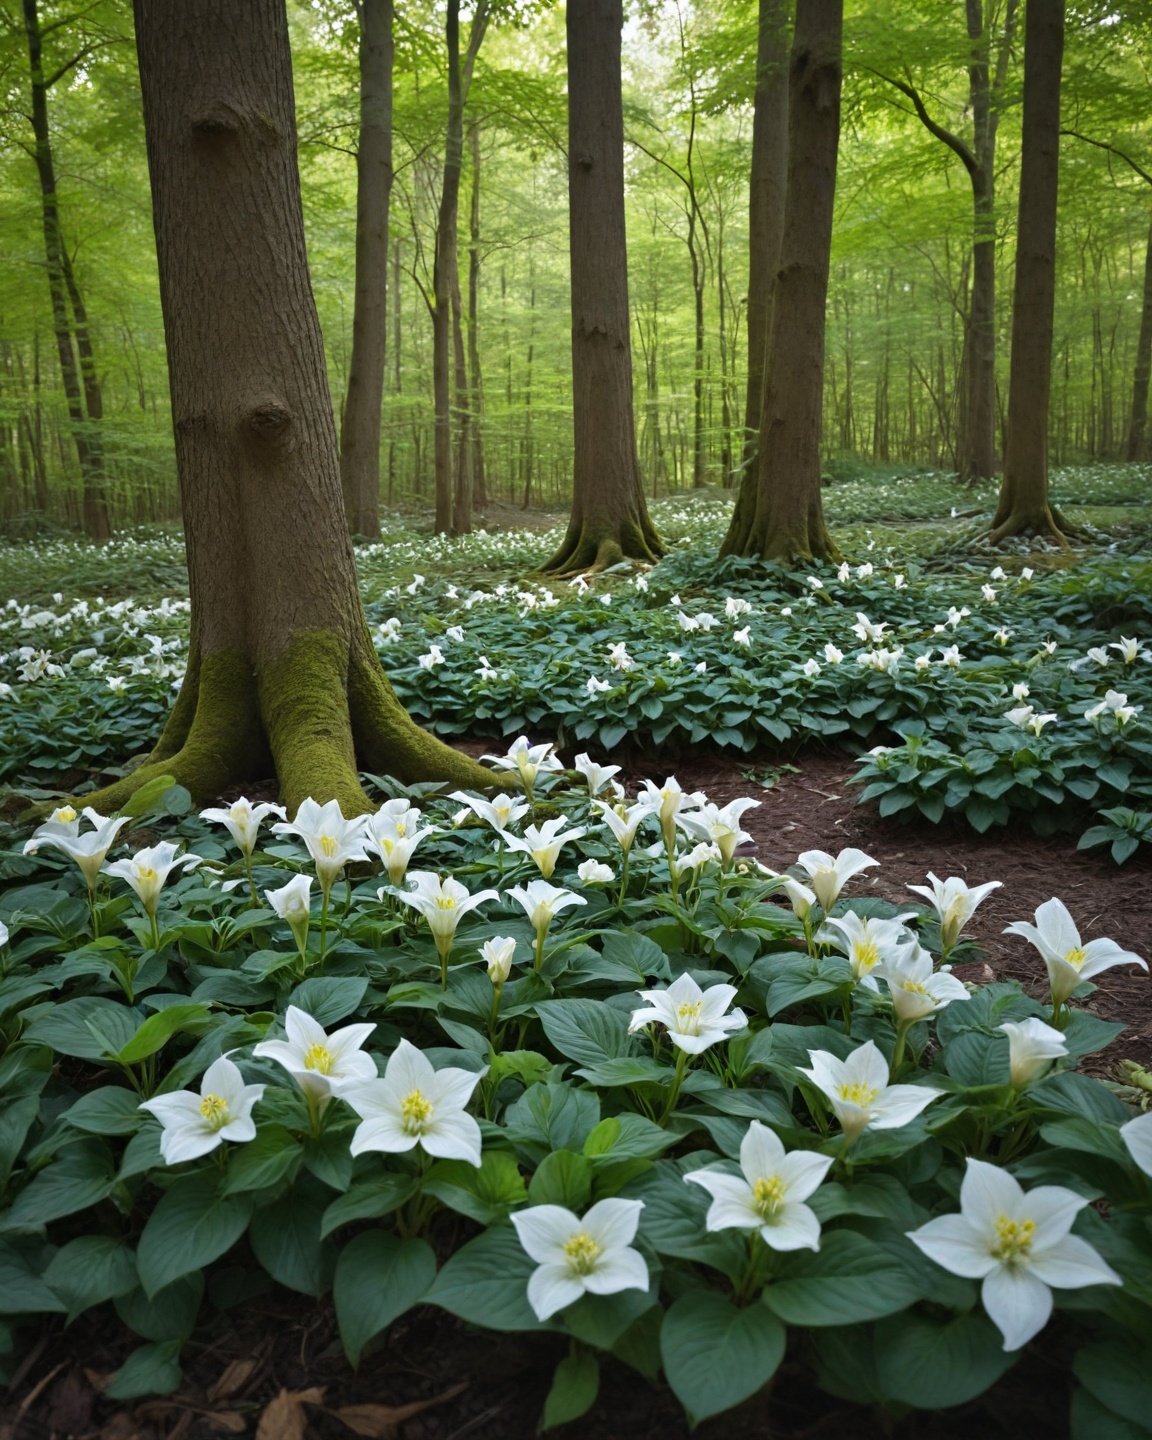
475, 378
609, 520
769, 179
281, 672
788, 520
1024, 503
462, 419
360, 427
1139, 416
61, 282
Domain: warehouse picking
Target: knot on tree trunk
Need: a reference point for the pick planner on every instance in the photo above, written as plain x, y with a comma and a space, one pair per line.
216, 120
270, 423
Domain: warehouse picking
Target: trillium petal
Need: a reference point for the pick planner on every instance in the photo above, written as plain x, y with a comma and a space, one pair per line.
176, 1146
408, 1069
1070, 1264
384, 1133
453, 1087
619, 1270
866, 1066
987, 1192
1101, 955
243, 1127
283, 1052
731, 1207
1018, 1304
901, 1103
761, 1152
696, 1044
455, 1136
956, 1245
1033, 936
714, 1001
302, 1029
544, 1230
613, 1223
803, 1172
551, 1288
795, 1227
1137, 1136
181, 1107
1057, 926
1053, 1208
370, 1098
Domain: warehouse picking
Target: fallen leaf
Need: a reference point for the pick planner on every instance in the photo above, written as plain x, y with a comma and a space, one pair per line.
236, 1375
284, 1418
378, 1422
227, 1420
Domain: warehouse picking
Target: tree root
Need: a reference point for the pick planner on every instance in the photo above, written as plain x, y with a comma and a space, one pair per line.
595, 547
1040, 522
315, 716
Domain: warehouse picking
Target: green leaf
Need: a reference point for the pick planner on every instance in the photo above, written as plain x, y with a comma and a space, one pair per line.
486, 1193
22, 1290
1093, 1421
285, 1238
378, 1278
563, 1179
170, 1314
1118, 1376
849, 1279
976, 1058
486, 1283
81, 1177
90, 1270
931, 1365
149, 797
716, 1355
368, 1200
263, 1162
149, 1370
587, 1031
329, 998
88, 1028
552, 1117
575, 1385
192, 1225
107, 1110
158, 1029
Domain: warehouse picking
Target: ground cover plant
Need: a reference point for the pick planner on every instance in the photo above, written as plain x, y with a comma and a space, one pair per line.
584, 1070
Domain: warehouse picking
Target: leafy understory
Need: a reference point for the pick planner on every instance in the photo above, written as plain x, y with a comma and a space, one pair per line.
559, 1061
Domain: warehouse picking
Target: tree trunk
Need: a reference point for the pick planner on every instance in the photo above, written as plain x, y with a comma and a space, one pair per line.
766, 189
788, 520
360, 427
1139, 416
1024, 503
609, 520
462, 496
475, 378
97, 523
281, 668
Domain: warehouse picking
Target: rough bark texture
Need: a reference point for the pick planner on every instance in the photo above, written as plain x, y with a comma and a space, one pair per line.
766, 189
1024, 503
282, 671
787, 522
609, 520
360, 427
1143, 368
475, 377
62, 285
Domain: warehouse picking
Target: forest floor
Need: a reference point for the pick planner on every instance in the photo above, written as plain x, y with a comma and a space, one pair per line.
274, 1367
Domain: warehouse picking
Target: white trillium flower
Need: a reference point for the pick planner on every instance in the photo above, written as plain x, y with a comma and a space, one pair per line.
1018, 1243
742, 637
811, 668
500, 812
955, 903
596, 687
1002, 636
443, 902
293, 903
830, 874
593, 872
666, 802
1026, 718
317, 1061
951, 657
498, 953
393, 834
832, 655
867, 942
624, 820
1137, 1137
619, 658
434, 657
770, 1196
542, 902
1115, 703
412, 1104
1020, 691
1032, 1047
577, 1256
1129, 650
1069, 961
527, 760
916, 990
720, 825
868, 632
544, 843
734, 607
195, 1125
331, 841
88, 848
242, 820
694, 1019
858, 1091
148, 870
703, 854
595, 776
800, 897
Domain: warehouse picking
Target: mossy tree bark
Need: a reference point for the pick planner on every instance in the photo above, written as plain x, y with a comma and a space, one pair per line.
360, 425
282, 674
787, 521
1024, 506
609, 521
1142, 369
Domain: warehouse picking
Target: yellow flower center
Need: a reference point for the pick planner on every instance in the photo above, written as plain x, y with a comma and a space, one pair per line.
66, 814
857, 1094
1013, 1240
319, 1058
415, 1112
913, 987
401, 829
866, 957
688, 1016
146, 874
1075, 958
581, 1253
215, 1110
445, 902
238, 812
329, 846
768, 1196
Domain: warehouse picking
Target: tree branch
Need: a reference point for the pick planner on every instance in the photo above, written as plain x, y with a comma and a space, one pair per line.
954, 143
1112, 150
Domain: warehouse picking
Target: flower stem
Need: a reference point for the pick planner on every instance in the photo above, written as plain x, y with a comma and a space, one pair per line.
326, 894
898, 1052
624, 876
541, 935
674, 1088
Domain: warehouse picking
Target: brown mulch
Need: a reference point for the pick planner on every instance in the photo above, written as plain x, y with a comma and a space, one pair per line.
274, 1369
